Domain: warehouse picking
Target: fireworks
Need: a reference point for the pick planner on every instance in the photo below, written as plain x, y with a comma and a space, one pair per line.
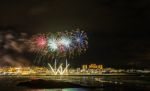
52, 43
80, 41
61, 44
65, 41
38, 42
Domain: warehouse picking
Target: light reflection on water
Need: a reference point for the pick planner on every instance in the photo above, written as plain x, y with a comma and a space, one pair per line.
8, 83
65, 89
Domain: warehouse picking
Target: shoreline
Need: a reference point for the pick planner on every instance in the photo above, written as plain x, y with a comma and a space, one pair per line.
87, 75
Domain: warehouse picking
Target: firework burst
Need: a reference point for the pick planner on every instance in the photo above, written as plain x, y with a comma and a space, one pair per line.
38, 42
80, 41
38, 46
60, 45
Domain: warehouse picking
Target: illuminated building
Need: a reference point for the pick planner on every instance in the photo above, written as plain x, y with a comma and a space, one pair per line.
84, 67
92, 66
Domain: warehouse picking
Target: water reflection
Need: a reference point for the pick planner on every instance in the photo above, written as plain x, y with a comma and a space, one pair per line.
65, 89
8, 83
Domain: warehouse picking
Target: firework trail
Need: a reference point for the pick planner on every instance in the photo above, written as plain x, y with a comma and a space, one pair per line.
80, 41
59, 45
38, 45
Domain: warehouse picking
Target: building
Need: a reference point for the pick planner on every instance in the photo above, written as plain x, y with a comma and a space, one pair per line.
92, 66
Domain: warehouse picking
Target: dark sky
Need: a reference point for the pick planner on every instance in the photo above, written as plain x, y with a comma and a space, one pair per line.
118, 30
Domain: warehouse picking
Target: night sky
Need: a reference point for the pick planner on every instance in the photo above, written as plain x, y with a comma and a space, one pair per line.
118, 30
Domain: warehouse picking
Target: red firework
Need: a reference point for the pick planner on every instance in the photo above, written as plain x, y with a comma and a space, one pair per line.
39, 41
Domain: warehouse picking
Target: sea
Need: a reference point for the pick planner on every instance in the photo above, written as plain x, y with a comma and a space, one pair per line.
95, 83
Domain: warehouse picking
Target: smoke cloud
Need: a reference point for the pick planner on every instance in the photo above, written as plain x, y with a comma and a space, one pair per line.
13, 49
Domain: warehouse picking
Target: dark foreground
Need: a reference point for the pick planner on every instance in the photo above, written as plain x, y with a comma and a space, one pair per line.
75, 83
